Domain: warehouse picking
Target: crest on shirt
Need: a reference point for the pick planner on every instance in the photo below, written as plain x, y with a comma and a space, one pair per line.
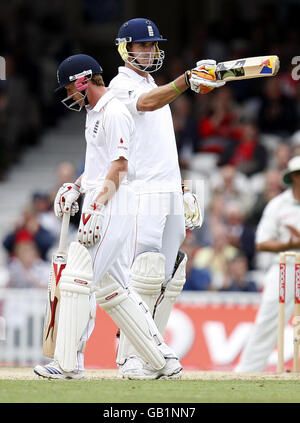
131, 94
96, 127
122, 146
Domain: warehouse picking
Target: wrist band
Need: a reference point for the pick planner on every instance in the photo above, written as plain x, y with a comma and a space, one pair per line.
187, 77
175, 88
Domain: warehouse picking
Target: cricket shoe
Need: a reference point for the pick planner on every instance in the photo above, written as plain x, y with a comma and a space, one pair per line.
54, 371
171, 370
133, 366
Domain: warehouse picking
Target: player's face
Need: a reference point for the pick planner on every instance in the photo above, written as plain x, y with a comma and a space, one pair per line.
73, 92
75, 100
295, 176
144, 52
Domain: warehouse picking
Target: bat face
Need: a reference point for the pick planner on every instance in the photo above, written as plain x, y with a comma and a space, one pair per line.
59, 262
251, 67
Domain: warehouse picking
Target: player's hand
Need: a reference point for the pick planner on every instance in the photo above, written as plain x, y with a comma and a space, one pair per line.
66, 199
202, 78
294, 241
192, 211
91, 224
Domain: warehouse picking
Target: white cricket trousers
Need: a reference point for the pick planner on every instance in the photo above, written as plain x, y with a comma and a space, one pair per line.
110, 254
160, 226
263, 337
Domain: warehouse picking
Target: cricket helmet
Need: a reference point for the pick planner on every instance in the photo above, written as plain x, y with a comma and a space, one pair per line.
140, 30
75, 67
78, 69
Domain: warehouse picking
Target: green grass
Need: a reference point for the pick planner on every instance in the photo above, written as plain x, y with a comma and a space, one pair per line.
172, 391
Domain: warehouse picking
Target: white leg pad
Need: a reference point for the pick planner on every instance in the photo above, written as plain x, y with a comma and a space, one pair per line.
171, 293
132, 316
74, 311
148, 275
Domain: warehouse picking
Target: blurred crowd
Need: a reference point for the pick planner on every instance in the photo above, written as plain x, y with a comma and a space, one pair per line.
237, 140
238, 149
30, 243
33, 40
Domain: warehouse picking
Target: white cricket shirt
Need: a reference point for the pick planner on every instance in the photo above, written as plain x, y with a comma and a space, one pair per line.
109, 133
280, 211
157, 168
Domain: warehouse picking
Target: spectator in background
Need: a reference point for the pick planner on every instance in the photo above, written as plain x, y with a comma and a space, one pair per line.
43, 207
233, 185
272, 186
237, 277
65, 173
239, 234
217, 128
26, 268
185, 127
277, 113
28, 228
295, 143
216, 209
196, 280
281, 156
211, 261
247, 154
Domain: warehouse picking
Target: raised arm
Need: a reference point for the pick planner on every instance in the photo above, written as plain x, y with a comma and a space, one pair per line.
200, 79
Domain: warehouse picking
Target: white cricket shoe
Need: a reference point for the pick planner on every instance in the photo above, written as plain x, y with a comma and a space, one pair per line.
172, 370
133, 366
54, 371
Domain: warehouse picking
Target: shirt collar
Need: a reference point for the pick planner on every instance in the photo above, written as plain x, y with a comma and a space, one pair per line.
133, 74
101, 102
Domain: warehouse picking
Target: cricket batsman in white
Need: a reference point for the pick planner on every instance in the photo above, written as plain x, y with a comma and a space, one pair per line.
164, 212
97, 269
277, 231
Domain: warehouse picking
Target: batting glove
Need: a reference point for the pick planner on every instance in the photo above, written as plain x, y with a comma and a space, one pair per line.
91, 224
192, 211
65, 200
202, 79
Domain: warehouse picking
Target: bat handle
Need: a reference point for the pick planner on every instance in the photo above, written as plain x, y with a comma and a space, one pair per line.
64, 233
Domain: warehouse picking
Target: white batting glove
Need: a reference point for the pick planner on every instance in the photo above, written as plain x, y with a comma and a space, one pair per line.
91, 224
202, 79
65, 200
192, 211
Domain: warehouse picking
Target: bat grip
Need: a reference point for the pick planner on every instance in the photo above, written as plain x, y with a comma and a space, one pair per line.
62, 247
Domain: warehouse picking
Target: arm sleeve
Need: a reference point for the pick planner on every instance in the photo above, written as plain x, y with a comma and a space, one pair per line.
128, 95
118, 129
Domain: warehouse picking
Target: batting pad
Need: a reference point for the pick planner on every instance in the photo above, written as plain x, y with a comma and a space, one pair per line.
132, 316
171, 293
74, 313
147, 275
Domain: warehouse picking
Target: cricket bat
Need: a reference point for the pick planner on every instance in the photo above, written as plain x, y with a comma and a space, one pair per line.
59, 261
250, 67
